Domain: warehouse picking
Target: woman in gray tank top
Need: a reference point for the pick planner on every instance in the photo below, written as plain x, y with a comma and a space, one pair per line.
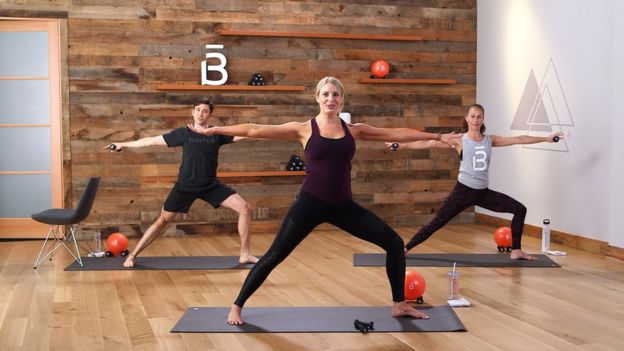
474, 149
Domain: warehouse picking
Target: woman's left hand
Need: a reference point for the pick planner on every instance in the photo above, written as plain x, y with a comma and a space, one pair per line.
448, 138
554, 137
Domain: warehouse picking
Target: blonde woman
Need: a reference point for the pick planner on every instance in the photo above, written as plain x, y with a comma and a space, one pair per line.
325, 197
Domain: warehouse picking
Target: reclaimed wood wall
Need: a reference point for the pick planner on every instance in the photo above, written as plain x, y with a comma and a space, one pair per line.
118, 52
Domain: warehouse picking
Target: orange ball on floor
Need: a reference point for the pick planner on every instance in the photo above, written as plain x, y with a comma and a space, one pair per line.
502, 237
116, 243
414, 285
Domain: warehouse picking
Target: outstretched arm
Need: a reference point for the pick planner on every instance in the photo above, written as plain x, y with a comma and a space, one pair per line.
143, 142
427, 144
286, 131
365, 132
524, 139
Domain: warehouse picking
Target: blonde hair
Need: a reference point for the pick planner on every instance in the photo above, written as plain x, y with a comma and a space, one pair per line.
335, 82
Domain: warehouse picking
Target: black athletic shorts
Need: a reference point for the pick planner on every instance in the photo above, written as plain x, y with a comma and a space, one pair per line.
181, 201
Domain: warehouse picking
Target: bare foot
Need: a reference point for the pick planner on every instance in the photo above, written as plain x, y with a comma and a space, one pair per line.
129, 263
234, 317
249, 258
402, 309
521, 255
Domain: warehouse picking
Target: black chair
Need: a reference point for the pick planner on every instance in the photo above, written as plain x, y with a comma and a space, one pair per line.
58, 217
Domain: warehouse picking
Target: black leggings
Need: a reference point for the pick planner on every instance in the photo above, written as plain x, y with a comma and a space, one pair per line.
304, 215
463, 197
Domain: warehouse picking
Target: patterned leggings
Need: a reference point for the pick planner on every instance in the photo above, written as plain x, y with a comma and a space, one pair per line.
463, 197
304, 215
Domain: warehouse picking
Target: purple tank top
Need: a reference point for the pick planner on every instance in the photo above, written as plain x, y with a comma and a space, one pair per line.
328, 165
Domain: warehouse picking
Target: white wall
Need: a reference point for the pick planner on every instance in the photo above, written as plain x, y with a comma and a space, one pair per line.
617, 145
577, 183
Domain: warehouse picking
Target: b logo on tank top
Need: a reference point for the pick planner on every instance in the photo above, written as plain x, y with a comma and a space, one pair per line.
479, 160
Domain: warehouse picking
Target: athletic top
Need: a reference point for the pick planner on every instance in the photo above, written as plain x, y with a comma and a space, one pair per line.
200, 155
475, 162
328, 165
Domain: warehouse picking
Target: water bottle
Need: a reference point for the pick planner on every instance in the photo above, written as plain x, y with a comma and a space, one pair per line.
546, 235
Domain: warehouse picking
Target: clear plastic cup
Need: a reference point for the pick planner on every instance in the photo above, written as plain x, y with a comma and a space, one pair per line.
97, 238
453, 285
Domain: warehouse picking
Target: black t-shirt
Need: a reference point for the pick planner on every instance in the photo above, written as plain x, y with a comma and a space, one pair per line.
200, 154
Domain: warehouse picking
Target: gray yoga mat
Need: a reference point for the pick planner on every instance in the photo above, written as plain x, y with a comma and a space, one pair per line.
159, 263
447, 260
315, 320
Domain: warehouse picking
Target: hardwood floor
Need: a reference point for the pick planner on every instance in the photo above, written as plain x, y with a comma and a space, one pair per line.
577, 307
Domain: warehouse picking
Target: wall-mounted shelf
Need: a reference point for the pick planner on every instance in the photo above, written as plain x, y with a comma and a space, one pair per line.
316, 35
230, 87
406, 81
260, 174
168, 179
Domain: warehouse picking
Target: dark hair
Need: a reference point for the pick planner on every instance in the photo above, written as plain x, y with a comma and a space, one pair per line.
204, 101
465, 124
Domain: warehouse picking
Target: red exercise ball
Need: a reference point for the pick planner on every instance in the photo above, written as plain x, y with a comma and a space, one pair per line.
380, 69
414, 285
502, 237
116, 243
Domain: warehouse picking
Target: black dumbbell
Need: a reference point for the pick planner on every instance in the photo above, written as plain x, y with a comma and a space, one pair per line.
556, 139
363, 326
113, 147
394, 146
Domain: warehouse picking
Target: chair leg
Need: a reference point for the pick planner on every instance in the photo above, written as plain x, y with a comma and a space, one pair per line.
38, 260
72, 230
59, 241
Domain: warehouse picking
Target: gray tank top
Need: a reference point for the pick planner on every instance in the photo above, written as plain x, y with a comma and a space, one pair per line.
475, 163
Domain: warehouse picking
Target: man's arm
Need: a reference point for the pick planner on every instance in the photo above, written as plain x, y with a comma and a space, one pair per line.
143, 142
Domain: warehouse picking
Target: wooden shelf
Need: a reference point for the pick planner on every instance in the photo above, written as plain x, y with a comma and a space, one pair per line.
230, 87
406, 81
355, 36
260, 174
169, 179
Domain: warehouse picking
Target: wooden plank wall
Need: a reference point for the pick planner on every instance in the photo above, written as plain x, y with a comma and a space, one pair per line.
120, 50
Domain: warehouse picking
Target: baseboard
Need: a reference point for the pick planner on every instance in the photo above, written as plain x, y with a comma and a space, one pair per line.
567, 239
181, 229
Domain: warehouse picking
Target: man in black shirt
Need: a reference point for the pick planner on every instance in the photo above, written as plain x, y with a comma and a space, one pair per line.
197, 179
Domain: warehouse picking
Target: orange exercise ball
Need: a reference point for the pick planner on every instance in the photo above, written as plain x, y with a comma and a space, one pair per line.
116, 243
502, 237
380, 69
414, 286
